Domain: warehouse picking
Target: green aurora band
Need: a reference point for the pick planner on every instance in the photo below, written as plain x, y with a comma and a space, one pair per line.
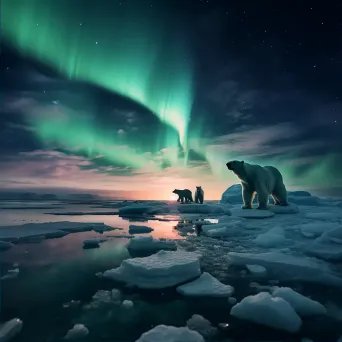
123, 51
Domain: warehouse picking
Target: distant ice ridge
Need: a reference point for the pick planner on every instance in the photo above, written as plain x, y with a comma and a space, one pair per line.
161, 270
48, 229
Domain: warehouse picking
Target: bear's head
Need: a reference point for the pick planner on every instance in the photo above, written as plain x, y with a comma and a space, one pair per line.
198, 188
176, 191
236, 166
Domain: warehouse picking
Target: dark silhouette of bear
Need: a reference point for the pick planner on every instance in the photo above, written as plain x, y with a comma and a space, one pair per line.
199, 195
183, 194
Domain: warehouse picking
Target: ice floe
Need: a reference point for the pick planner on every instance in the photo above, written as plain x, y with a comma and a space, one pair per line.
79, 331
92, 243
252, 213
202, 326
149, 244
134, 229
161, 270
206, 286
273, 238
10, 329
165, 333
270, 311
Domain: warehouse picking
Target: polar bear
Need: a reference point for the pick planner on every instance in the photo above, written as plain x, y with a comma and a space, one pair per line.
199, 195
264, 181
183, 194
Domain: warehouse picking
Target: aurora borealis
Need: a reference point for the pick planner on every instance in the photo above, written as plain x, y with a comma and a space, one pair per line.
124, 95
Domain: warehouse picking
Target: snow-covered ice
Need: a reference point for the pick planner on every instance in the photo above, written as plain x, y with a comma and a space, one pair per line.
206, 286
127, 304
148, 243
315, 229
10, 329
163, 333
134, 229
287, 267
79, 331
252, 213
256, 270
203, 209
161, 270
48, 229
304, 306
202, 326
291, 208
266, 310
273, 238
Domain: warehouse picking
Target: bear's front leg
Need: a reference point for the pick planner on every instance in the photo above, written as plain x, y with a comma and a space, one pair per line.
179, 199
247, 197
182, 199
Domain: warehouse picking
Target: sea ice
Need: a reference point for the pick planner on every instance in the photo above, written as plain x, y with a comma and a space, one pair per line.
148, 243
127, 304
93, 243
273, 238
103, 296
252, 213
289, 267
202, 326
205, 286
48, 229
304, 306
264, 309
305, 200
315, 229
137, 209
163, 333
203, 209
10, 329
161, 270
322, 216
289, 209
79, 331
4, 245
256, 269
134, 229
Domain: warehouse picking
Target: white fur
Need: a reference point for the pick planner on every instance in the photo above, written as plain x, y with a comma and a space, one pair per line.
264, 181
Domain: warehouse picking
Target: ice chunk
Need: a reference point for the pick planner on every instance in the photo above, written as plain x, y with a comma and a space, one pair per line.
289, 267
161, 270
202, 326
4, 245
147, 243
116, 294
48, 229
102, 296
266, 310
10, 329
133, 229
224, 229
127, 304
288, 209
11, 274
252, 213
273, 238
315, 229
163, 333
304, 306
233, 195
93, 243
79, 331
203, 209
207, 286
232, 300
257, 269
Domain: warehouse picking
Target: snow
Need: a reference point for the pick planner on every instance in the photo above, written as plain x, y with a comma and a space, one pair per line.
79, 331
10, 329
266, 310
287, 267
133, 229
170, 334
207, 286
304, 306
161, 270
273, 238
148, 243
202, 326
288, 209
48, 229
252, 213
256, 269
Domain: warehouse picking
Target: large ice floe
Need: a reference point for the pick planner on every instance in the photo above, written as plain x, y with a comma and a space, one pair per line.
207, 286
165, 333
270, 311
147, 244
161, 270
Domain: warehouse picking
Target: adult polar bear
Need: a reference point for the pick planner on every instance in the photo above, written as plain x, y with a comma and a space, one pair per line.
264, 181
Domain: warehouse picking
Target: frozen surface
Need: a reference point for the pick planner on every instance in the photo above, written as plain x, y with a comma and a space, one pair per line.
202, 326
147, 243
127, 304
304, 306
79, 331
134, 229
315, 229
252, 213
48, 229
4, 245
288, 209
161, 270
163, 333
203, 209
256, 269
206, 285
10, 329
288, 267
273, 238
269, 311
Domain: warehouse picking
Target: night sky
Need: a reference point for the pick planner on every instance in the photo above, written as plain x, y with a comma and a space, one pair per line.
134, 98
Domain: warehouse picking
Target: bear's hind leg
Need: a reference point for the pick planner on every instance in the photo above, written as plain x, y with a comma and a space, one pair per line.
281, 194
247, 197
262, 198
275, 199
